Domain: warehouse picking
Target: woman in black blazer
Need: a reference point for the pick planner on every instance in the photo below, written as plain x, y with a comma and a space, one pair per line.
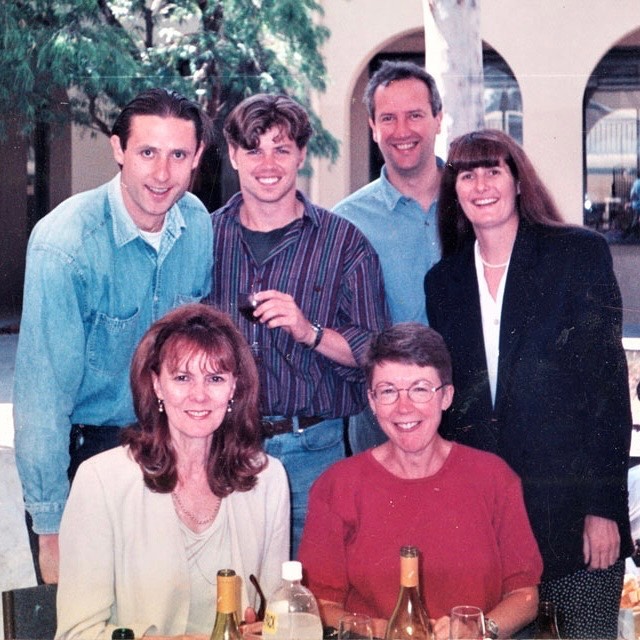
531, 312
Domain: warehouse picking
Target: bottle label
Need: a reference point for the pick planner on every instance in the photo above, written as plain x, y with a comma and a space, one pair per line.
226, 600
270, 623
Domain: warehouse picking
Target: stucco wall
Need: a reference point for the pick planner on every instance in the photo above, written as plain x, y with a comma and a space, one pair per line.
551, 47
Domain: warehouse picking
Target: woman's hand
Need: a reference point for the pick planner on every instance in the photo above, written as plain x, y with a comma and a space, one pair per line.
441, 628
250, 624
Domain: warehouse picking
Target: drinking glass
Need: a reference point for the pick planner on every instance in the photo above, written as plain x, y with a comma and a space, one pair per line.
355, 626
466, 623
247, 304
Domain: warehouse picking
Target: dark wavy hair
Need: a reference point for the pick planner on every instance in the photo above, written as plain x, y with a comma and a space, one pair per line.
165, 104
485, 148
236, 455
254, 116
409, 343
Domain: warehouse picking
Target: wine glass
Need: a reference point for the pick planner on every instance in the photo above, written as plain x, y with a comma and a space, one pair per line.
466, 623
355, 626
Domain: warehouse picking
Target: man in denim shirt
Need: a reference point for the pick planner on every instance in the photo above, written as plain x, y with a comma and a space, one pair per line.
397, 212
102, 267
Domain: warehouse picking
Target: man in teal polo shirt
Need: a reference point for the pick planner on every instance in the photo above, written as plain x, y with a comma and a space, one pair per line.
397, 212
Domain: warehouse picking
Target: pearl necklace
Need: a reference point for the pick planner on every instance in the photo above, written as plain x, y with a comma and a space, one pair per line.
493, 266
199, 521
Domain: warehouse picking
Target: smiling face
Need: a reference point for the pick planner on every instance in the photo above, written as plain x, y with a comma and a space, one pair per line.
157, 165
487, 196
269, 172
404, 126
410, 426
196, 395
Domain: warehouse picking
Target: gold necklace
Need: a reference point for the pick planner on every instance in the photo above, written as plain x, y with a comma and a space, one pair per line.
199, 521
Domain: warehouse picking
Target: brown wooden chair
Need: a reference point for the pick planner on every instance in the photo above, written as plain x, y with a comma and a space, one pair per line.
30, 613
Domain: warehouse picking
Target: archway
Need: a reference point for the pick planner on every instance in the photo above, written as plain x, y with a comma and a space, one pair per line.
502, 101
611, 117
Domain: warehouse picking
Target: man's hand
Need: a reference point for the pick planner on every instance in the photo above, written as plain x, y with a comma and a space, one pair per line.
276, 309
600, 542
49, 557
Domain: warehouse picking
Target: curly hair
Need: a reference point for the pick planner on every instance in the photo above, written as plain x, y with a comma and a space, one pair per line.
254, 116
236, 456
485, 148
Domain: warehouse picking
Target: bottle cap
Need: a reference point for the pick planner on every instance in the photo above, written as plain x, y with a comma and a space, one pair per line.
122, 634
292, 570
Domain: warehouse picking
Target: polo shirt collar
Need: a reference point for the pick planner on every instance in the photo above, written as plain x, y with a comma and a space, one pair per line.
389, 193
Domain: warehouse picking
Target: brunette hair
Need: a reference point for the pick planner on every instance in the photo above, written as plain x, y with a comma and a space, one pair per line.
485, 148
254, 116
236, 455
409, 343
389, 72
163, 103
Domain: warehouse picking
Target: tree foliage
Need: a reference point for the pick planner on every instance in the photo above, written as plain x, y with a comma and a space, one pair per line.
100, 53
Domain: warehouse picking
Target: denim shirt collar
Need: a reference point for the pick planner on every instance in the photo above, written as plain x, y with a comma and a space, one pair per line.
125, 229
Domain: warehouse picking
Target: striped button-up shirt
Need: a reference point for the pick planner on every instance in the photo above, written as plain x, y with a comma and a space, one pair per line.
334, 276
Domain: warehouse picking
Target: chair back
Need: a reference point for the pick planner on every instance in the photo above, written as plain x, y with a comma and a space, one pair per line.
30, 612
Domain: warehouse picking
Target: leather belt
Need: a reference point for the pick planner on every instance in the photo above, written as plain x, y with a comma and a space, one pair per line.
277, 426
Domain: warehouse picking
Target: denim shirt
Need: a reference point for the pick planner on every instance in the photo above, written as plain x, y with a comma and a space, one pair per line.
405, 237
93, 286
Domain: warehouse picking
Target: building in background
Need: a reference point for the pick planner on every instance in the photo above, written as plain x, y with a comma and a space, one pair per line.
563, 78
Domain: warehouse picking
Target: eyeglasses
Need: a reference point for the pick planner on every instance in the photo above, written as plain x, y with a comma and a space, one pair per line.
419, 392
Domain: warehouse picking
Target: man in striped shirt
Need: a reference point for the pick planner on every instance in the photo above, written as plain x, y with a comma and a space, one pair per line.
304, 286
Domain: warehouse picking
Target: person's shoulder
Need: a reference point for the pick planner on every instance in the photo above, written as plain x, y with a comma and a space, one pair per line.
192, 208
443, 267
273, 471
567, 241
359, 201
346, 472
75, 218
225, 214
115, 466
480, 463
342, 227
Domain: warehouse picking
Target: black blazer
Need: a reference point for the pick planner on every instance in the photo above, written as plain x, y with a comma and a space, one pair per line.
562, 416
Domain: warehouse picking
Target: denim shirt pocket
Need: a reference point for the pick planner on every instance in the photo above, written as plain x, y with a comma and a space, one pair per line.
112, 341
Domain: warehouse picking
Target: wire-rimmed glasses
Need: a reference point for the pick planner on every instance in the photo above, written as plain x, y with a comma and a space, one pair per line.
420, 391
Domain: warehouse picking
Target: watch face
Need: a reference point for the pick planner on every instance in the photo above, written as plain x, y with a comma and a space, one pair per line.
491, 627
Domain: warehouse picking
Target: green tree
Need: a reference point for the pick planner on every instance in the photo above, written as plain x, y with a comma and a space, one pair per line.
95, 55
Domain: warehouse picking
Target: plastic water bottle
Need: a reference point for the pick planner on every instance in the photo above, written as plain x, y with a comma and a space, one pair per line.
292, 611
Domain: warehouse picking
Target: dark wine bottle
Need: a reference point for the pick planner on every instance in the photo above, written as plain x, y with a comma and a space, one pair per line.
547, 622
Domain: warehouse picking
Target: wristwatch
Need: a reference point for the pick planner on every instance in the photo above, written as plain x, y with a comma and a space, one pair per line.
317, 327
491, 628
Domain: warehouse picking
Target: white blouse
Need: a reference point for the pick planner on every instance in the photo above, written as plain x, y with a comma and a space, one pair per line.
491, 311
